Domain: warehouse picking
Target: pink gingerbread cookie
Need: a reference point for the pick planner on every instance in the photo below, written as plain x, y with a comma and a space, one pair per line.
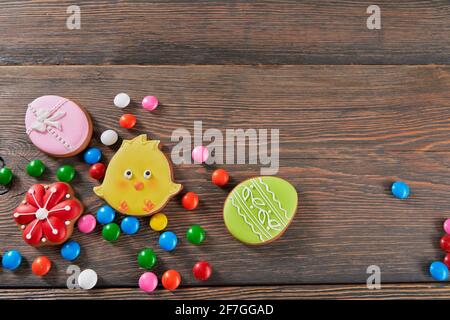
58, 126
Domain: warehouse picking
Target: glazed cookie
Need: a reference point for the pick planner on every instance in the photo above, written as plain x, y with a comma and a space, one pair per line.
260, 209
47, 214
139, 179
58, 126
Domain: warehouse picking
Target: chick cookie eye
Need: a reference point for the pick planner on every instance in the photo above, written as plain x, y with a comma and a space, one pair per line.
128, 174
147, 174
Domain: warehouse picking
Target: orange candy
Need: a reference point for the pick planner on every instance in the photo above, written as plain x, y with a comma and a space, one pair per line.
190, 201
171, 279
220, 177
127, 121
41, 266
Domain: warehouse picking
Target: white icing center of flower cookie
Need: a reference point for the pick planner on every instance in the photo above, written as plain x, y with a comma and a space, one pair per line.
42, 214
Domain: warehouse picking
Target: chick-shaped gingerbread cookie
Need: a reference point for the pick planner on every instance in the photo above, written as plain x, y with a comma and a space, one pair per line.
139, 179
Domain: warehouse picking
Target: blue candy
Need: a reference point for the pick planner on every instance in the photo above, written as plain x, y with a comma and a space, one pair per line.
400, 190
92, 155
168, 241
11, 260
439, 271
129, 225
70, 250
105, 214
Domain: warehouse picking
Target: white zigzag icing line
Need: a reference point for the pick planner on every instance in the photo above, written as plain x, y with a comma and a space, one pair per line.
245, 219
274, 198
270, 205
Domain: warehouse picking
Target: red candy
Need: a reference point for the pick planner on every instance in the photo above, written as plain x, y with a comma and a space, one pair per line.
41, 266
97, 171
220, 177
190, 200
127, 121
202, 270
447, 260
445, 243
171, 279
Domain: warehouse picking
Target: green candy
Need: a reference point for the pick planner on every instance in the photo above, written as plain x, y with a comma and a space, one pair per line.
195, 234
35, 168
6, 175
111, 232
146, 258
65, 173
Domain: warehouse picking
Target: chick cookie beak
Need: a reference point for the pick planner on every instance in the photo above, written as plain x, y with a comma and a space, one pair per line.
139, 186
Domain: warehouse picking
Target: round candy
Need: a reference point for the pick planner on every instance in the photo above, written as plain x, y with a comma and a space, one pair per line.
35, 168
202, 270
445, 243
6, 175
105, 214
65, 173
171, 279
148, 282
41, 266
400, 190
158, 222
121, 100
129, 225
109, 137
150, 103
87, 279
146, 258
220, 177
87, 223
11, 260
168, 241
200, 154
439, 271
195, 234
127, 121
447, 260
70, 250
190, 201
111, 232
97, 171
92, 155
447, 226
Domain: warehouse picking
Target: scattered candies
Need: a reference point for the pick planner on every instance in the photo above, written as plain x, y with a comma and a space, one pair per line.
41, 266
6, 175
150, 103
87, 223
121, 100
105, 214
445, 243
129, 225
439, 271
65, 173
400, 190
146, 258
171, 279
109, 137
200, 154
190, 201
202, 270
195, 234
92, 155
168, 241
447, 226
97, 171
127, 121
111, 232
11, 260
220, 177
158, 222
148, 282
70, 250
35, 168
87, 279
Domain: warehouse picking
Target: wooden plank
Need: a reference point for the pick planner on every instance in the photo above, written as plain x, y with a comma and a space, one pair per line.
223, 32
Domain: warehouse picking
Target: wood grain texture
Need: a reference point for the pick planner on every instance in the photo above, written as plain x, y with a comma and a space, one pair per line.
224, 32
340, 152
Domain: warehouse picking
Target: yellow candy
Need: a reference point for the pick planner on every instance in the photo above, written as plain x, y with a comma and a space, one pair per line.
158, 222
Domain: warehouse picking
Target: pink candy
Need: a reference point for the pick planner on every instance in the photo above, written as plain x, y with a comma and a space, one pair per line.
150, 103
200, 154
148, 282
87, 223
447, 226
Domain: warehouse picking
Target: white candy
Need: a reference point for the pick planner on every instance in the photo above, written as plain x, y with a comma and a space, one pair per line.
121, 100
87, 279
109, 137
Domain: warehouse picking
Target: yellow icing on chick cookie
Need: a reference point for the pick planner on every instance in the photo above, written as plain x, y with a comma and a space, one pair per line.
138, 180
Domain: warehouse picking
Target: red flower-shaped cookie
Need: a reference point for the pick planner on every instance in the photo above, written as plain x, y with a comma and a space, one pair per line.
48, 214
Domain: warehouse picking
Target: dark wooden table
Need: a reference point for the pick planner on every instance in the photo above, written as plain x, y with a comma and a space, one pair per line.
357, 109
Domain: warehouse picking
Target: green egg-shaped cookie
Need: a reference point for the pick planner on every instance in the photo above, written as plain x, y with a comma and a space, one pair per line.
260, 209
